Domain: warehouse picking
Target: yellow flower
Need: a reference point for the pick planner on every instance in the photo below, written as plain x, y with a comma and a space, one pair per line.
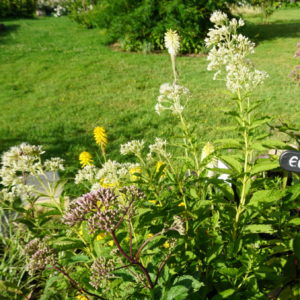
153, 201
158, 165
85, 158
82, 297
100, 236
149, 235
133, 171
107, 185
181, 204
166, 245
100, 137
110, 243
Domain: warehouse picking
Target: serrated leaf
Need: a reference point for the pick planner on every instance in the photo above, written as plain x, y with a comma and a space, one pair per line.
228, 144
265, 197
259, 228
274, 144
258, 122
232, 163
264, 166
258, 146
67, 244
46, 204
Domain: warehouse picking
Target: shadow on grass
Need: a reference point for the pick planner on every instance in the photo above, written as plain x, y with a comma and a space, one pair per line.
265, 32
6, 30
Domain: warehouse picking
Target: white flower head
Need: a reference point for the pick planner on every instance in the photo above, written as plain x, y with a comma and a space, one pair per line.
88, 173
170, 98
132, 147
172, 42
228, 55
54, 164
218, 18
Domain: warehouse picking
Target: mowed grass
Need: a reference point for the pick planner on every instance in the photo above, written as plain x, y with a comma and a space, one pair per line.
58, 81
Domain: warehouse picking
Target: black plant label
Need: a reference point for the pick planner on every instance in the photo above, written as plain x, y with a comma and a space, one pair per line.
290, 161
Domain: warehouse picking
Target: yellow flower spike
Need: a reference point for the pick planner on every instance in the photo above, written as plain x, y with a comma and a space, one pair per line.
82, 297
110, 243
85, 159
149, 235
101, 236
181, 204
100, 137
166, 245
133, 171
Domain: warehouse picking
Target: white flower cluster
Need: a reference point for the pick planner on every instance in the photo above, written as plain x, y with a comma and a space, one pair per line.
54, 164
88, 173
158, 148
132, 147
59, 7
60, 11
21, 163
228, 54
169, 98
110, 175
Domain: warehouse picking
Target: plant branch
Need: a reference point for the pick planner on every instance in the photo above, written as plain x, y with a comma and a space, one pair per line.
74, 283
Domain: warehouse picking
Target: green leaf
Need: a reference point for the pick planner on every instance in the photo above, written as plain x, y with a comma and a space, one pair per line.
265, 197
296, 246
274, 144
46, 204
228, 144
178, 292
78, 259
295, 221
224, 294
263, 166
189, 282
67, 244
259, 228
258, 122
232, 163
258, 146
229, 271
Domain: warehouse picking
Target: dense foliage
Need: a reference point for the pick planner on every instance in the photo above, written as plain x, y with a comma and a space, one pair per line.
17, 8
140, 24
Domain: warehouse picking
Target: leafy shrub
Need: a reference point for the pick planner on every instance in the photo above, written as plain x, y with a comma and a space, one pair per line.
140, 24
17, 8
55, 7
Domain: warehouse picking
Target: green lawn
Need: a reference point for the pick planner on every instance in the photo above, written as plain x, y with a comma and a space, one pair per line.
58, 81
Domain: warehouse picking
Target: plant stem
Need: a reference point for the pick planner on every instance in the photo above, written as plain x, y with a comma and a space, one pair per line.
133, 260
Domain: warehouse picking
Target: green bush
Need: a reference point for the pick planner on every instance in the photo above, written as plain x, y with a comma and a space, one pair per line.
140, 24
17, 8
